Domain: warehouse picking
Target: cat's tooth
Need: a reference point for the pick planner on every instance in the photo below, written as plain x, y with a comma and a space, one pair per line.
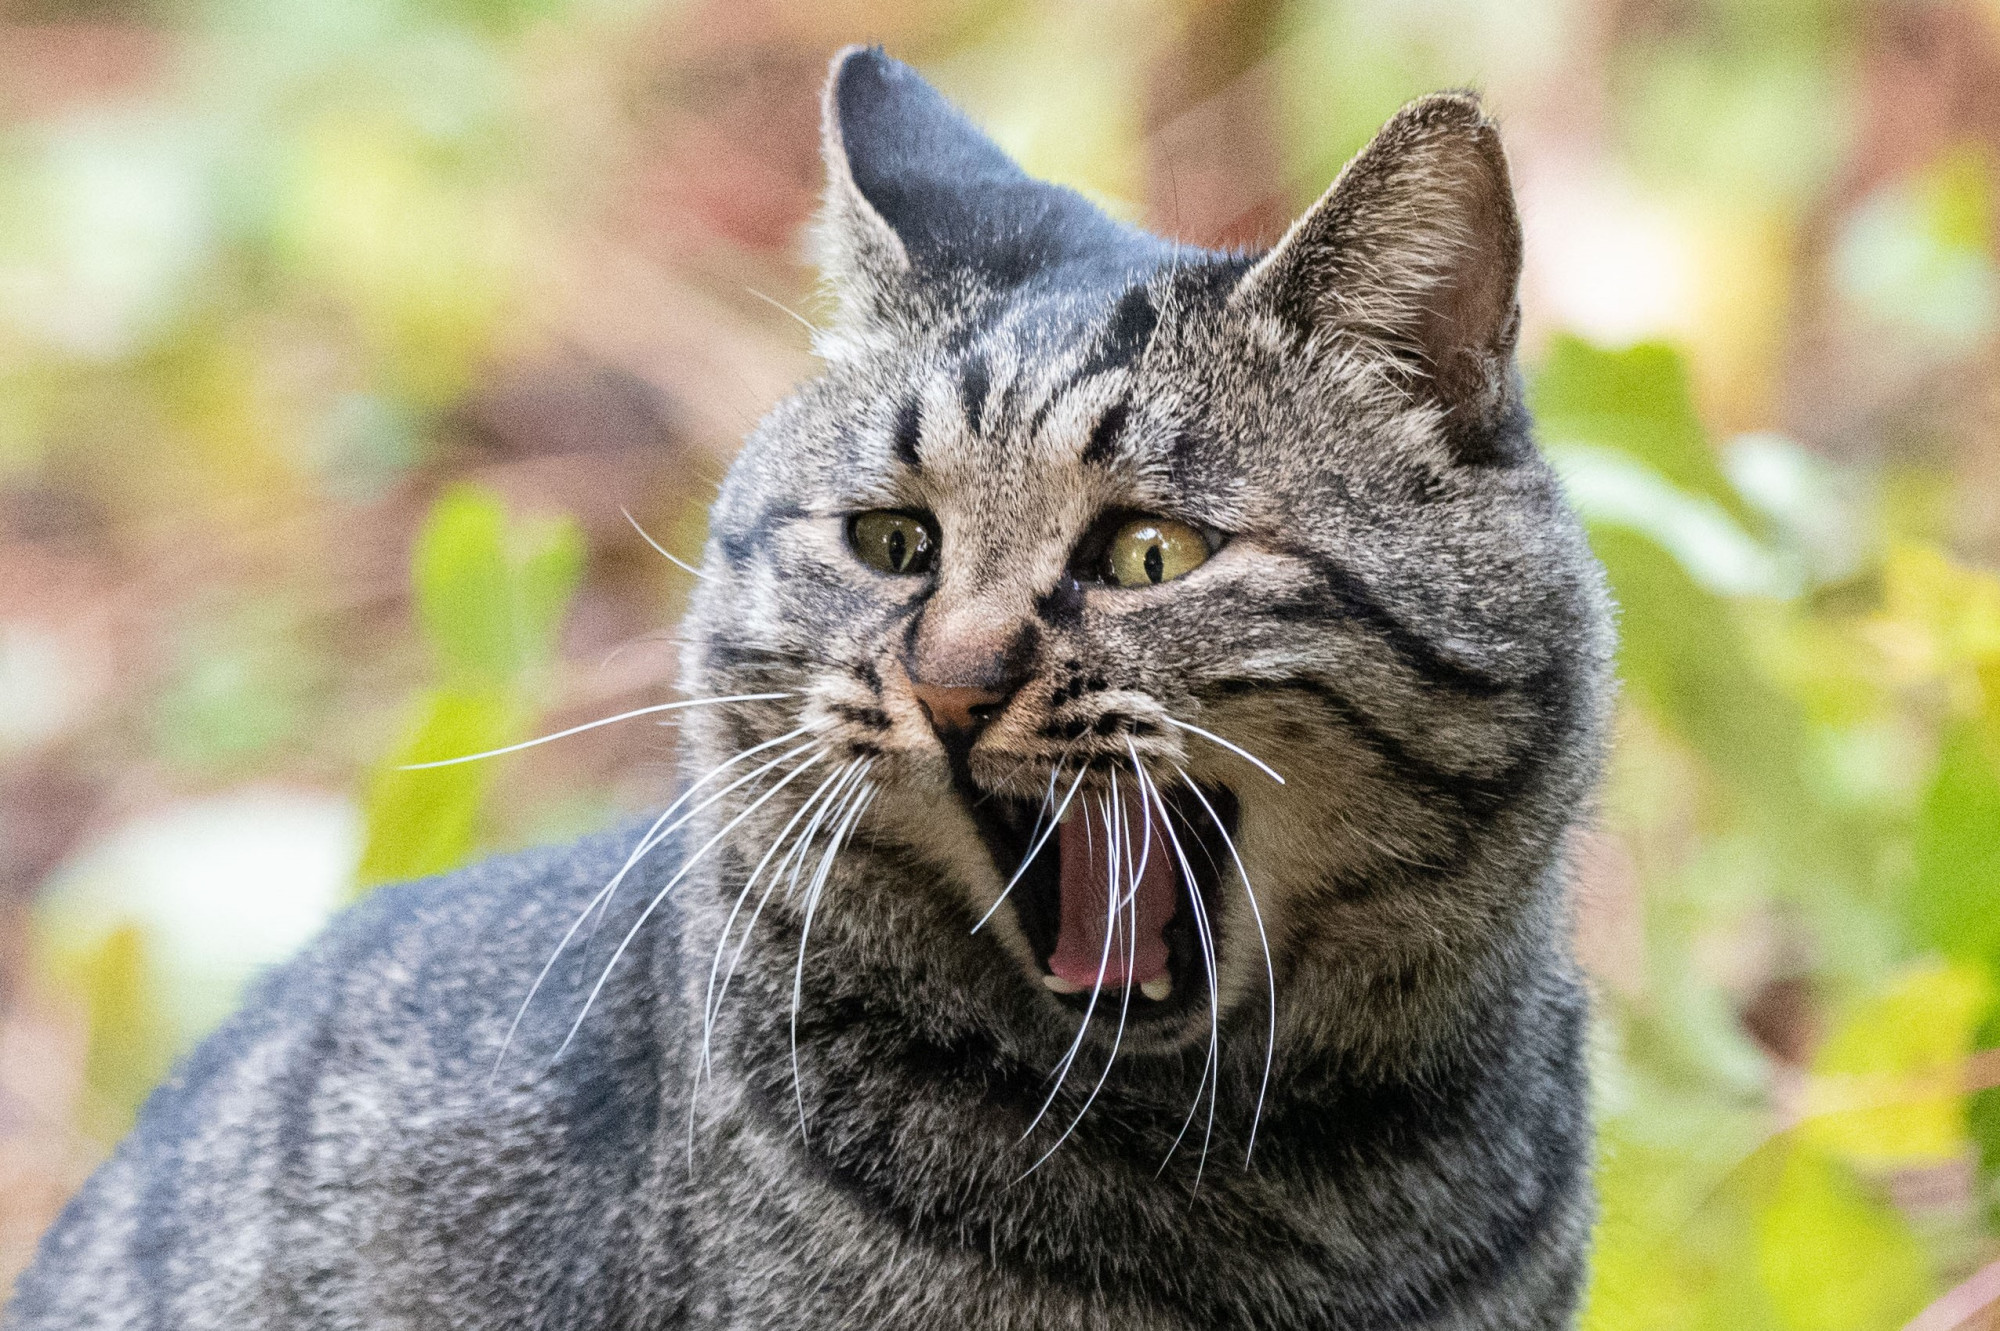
1159, 989
1057, 984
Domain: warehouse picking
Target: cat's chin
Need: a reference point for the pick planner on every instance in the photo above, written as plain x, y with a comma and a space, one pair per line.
1154, 955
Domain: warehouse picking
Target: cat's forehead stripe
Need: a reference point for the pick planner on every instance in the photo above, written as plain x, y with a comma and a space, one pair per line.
908, 432
975, 382
1104, 436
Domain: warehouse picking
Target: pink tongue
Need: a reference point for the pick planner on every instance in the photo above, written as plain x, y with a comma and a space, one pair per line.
1143, 862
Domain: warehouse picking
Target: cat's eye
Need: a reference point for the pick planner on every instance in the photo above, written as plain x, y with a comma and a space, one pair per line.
893, 542
1149, 550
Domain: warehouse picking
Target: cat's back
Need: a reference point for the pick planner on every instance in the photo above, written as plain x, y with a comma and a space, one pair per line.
341, 1153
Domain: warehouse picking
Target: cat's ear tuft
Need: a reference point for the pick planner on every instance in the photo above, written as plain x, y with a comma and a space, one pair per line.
923, 212
1415, 252
860, 254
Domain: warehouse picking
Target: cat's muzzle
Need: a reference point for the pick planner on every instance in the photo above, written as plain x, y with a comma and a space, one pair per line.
1121, 895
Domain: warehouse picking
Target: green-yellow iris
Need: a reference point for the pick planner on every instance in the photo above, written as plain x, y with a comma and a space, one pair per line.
1149, 550
893, 542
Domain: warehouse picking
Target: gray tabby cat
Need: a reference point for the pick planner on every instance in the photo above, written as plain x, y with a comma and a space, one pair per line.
1135, 901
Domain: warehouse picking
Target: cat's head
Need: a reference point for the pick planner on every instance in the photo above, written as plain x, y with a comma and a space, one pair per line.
1215, 608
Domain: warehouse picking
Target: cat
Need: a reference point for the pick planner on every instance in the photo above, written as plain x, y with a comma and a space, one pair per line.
1120, 884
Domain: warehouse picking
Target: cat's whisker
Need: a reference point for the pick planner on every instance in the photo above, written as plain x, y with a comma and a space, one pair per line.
1035, 848
863, 793
1042, 809
643, 847
833, 821
712, 1000
1212, 1064
591, 725
662, 550
656, 834
775, 303
1048, 803
1061, 1071
1117, 857
1234, 748
1146, 825
805, 808
660, 896
828, 792
1270, 971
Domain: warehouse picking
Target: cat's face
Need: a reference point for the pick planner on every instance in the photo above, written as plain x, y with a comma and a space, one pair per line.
1174, 614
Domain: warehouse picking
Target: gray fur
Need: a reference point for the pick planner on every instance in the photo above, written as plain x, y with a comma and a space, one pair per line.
1404, 622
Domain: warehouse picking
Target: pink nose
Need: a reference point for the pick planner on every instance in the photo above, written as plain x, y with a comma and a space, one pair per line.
956, 707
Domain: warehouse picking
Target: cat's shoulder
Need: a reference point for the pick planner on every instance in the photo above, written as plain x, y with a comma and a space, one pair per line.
359, 1096
439, 967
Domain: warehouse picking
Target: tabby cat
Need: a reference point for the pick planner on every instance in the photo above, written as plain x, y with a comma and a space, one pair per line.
1120, 881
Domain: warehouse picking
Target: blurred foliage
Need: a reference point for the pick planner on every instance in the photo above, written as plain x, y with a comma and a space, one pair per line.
129, 1050
1775, 686
490, 601
293, 292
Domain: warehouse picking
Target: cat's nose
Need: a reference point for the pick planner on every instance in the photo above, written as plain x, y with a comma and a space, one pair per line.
958, 708
963, 668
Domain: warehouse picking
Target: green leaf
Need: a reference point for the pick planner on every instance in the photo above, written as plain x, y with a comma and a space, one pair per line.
1982, 1121
426, 821
1661, 1263
491, 599
1636, 401
1954, 903
550, 570
1683, 656
130, 1046
464, 589
1611, 488
1885, 1087
1834, 1258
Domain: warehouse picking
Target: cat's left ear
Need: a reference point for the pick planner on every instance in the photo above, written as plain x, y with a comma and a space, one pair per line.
1415, 252
923, 212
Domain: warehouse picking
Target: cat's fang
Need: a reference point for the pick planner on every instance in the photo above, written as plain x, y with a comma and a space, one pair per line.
1158, 990
1057, 984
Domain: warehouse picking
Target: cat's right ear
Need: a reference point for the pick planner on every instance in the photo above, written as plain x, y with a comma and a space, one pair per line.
923, 212
1414, 257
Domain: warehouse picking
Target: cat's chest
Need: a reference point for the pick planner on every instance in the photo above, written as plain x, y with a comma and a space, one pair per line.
779, 1239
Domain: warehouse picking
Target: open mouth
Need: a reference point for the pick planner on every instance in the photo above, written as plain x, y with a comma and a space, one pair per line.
1121, 895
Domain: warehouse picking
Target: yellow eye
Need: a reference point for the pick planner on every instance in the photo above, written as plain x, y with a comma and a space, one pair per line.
892, 542
1148, 550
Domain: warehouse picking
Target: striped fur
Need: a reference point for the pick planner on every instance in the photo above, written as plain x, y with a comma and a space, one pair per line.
1401, 619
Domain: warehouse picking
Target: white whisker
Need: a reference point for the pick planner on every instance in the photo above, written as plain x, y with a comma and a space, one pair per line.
1145, 846
662, 550
1270, 972
1036, 848
660, 896
1061, 1072
1212, 1065
643, 847
865, 792
796, 857
1116, 857
655, 834
711, 1001
1236, 749
773, 301
590, 725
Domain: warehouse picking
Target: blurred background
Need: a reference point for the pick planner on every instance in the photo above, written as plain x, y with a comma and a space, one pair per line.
336, 334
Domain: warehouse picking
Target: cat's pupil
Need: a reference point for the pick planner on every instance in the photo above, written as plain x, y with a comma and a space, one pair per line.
898, 547
1156, 565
